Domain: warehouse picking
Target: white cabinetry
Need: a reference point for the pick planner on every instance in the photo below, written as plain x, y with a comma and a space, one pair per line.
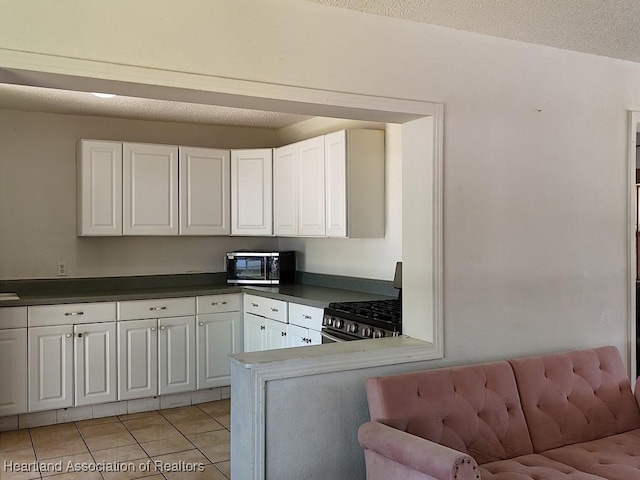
218, 335
265, 323
204, 191
99, 189
299, 189
95, 363
305, 323
156, 355
251, 192
50, 367
51, 354
150, 180
13, 360
354, 177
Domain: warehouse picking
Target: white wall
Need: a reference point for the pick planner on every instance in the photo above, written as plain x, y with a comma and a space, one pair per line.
38, 199
535, 142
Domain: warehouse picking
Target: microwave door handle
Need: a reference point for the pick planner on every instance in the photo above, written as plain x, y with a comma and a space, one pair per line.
331, 337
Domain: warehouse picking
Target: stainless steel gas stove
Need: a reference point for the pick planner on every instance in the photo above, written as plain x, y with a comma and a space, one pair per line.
347, 321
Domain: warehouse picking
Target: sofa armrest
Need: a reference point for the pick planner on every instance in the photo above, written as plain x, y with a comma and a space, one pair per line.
424, 456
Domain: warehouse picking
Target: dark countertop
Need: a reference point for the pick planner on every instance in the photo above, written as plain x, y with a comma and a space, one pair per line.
312, 295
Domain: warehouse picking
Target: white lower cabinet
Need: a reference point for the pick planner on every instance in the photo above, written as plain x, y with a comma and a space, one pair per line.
255, 339
13, 365
303, 337
276, 334
95, 363
50, 367
218, 335
156, 357
137, 359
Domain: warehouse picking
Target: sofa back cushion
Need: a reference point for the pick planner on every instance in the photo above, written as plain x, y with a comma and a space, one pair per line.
575, 397
474, 409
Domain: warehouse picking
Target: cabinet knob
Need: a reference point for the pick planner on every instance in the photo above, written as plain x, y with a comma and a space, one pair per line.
73, 314
153, 309
284, 334
79, 335
201, 324
68, 335
223, 303
153, 329
262, 327
163, 327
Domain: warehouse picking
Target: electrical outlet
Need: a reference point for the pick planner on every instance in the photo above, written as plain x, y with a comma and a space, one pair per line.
62, 268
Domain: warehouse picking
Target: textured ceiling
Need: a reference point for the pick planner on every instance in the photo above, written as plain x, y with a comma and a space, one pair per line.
609, 28
37, 99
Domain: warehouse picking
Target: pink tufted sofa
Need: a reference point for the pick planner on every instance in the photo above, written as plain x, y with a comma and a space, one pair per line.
569, 416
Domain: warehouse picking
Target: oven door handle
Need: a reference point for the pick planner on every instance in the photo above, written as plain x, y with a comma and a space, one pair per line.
331, 337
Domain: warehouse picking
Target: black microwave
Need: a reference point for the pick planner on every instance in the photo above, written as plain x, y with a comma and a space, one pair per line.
261, 268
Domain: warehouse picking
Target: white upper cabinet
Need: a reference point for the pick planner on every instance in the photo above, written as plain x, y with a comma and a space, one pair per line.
299, 189
354, 175
150, 181
205, 179
311, 188
251, 192
285, 190
99, 190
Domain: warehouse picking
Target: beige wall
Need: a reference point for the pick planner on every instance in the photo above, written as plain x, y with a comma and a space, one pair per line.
535, 142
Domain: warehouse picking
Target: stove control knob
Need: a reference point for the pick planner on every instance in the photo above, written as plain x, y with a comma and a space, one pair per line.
378, 334
328, 321
353, 328
339, 323
367, 332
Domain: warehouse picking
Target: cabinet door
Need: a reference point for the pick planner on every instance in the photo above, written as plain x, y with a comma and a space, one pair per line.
205, 179
50, 367
276, 334
95, 363
99, 189
137, 359
150, 189
336, 183
254, 333
13, 365
298, 336
176, 355
251, 192
218, 336
311, 185
285, 190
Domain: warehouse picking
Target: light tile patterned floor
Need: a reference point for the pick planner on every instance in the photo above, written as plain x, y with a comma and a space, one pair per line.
181, 439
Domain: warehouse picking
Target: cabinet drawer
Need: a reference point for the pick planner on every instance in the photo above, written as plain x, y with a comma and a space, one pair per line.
71, 313
13, 317
266, 307
158, 308
305, 316
218, 303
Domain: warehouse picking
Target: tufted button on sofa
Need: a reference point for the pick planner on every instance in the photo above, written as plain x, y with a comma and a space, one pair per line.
569, 416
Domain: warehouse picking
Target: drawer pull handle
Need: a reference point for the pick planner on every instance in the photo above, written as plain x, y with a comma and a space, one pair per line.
201, 324
262, 327
219, 303
274, 309
308, 317
153, 309
254, 304
73, 314
284, 334
68, 335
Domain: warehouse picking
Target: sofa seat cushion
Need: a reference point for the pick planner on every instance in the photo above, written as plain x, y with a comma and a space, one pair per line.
532, 467
474, 409
575, 397
616, 457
